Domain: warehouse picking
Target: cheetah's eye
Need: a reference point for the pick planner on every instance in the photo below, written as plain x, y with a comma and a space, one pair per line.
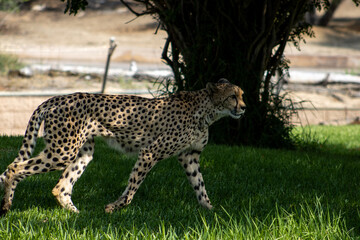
231, 97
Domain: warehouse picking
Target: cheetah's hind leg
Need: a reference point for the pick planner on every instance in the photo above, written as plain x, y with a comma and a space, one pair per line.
63, 189
18, 171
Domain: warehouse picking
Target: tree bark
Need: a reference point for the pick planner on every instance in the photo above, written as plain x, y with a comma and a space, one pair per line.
326, 18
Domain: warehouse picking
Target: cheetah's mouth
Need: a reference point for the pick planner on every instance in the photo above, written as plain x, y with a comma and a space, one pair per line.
237, 114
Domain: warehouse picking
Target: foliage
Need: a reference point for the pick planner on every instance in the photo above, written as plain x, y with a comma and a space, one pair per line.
11, 5
9, 62
72, 6
242, 41
257, 194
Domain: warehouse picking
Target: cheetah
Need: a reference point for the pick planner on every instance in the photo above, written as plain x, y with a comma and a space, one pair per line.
155, 128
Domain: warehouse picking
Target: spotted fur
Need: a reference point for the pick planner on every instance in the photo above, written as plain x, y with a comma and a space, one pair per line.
155, 128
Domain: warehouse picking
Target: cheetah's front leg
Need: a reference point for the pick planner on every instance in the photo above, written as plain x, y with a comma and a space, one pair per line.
190, 162
147, 159
142, 166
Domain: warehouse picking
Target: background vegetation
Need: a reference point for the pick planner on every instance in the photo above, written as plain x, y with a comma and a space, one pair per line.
312, 192
243, 41
11, 5
9, 62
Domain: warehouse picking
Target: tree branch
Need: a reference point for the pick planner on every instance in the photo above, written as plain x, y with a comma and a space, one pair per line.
164, 54
136, 13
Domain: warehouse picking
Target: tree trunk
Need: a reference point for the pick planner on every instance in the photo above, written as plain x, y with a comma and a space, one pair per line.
325, 19
242, 41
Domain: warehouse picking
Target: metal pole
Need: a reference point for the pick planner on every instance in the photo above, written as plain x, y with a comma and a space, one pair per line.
110, 52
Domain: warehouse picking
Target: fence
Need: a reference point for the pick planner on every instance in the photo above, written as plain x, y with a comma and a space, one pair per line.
331, 116
15, 112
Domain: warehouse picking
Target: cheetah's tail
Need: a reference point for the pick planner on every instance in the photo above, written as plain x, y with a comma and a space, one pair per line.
29, 141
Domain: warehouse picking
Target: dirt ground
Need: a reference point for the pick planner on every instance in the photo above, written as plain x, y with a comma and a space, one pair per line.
52, 35
43, 34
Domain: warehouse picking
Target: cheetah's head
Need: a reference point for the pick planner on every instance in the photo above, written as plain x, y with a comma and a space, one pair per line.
227, 98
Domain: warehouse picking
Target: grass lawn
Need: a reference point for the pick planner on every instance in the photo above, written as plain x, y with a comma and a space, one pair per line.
309, 193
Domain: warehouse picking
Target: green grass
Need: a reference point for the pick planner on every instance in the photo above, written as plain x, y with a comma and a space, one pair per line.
309, 193
9, 62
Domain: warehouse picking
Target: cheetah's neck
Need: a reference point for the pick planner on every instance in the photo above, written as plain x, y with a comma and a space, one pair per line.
206, 110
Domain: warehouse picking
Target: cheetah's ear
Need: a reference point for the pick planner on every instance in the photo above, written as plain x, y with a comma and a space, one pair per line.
223, 80
211, 87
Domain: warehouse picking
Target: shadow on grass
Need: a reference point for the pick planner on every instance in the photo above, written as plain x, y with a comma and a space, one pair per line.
239, 180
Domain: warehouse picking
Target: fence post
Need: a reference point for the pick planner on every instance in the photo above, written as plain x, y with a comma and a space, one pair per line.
110, 52
346, 113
